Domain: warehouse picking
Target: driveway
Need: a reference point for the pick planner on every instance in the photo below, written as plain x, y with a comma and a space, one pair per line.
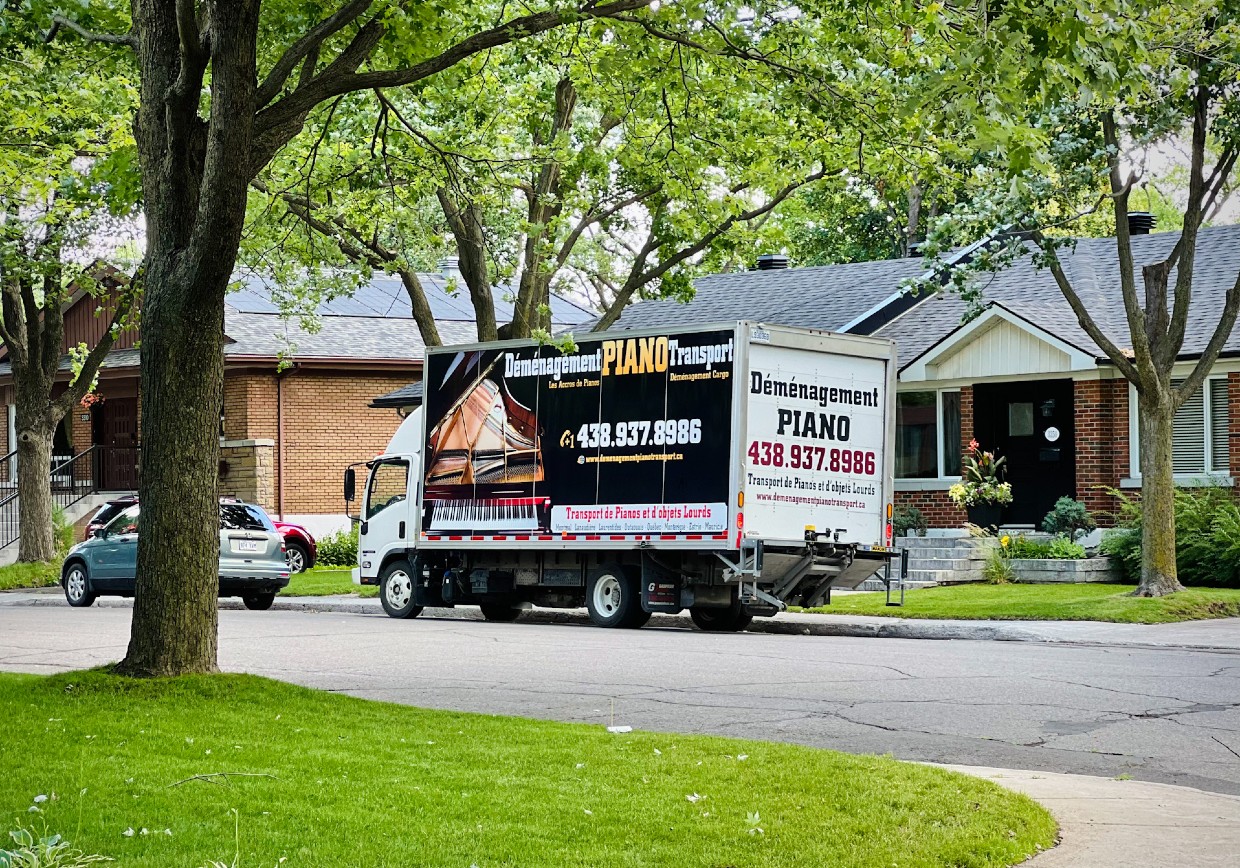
1162, 714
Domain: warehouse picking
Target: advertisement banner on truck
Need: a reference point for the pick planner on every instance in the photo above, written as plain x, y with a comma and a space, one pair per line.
814, 443
624, 436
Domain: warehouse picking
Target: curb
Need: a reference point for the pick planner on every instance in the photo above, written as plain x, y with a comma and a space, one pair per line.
790, 624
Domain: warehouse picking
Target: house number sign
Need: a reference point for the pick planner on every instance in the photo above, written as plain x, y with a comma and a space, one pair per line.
1052, 434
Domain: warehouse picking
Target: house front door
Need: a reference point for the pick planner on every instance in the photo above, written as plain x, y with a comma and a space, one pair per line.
118, 435
1032, 425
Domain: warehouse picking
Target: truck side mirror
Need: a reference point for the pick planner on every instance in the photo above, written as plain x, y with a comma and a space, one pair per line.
350, 484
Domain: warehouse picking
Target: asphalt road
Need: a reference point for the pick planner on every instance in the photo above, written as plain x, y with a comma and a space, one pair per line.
1168, 715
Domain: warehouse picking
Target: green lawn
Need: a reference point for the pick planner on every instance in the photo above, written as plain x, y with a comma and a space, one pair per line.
1017, 602
322, 581
332, 780
36, 575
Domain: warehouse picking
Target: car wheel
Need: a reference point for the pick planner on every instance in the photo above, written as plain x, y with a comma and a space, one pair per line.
77, 587
499, 612
396, 590
259, 602
298, 557
731, 619
613, 598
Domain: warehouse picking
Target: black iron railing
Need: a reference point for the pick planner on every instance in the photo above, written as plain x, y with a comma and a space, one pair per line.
99, 468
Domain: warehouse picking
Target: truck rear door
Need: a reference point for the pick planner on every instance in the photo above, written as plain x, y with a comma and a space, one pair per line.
816, 435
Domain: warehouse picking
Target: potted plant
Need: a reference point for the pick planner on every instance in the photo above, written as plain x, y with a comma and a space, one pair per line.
980, 491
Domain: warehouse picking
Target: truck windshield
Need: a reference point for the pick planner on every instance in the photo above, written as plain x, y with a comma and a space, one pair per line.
389, 482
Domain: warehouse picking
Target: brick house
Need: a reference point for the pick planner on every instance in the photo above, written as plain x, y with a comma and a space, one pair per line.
1022, 378
285, 434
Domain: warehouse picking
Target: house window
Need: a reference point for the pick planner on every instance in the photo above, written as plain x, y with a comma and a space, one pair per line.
927, 435
1200, 441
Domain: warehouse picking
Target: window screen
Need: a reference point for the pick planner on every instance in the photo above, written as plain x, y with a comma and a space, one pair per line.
917, 438
951, 433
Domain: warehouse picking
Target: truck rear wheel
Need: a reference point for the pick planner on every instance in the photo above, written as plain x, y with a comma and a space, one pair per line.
613, 597
396, 590
732, 619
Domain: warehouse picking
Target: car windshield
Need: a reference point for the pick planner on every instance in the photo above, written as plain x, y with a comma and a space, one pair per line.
237, 516
107, 512
126, 522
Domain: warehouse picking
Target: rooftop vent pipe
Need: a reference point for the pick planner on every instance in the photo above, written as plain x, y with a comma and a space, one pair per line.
771, 262
1140, 222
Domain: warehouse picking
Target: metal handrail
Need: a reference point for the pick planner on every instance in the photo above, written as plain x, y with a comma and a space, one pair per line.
84, 474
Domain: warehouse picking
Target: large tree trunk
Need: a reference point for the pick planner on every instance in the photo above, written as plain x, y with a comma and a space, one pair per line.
194, 190
175, 619
1158, 567
34, 486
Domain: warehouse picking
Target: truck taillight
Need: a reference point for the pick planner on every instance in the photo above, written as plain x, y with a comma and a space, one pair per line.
740, 520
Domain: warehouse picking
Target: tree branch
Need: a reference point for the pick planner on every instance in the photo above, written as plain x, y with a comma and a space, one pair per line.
1123, 242
592, 217
78, 387
305, 48
1227, 321
1114, 353
58, 21
639, 277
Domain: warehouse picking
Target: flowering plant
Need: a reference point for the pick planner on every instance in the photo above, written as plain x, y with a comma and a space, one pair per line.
980, 484
91, 398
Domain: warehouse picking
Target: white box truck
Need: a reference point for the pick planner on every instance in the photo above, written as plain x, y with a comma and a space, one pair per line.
731, 470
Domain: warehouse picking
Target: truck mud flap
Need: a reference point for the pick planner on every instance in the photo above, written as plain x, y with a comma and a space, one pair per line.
661, 589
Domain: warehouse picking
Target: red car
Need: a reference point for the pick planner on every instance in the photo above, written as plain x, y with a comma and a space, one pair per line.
298, 542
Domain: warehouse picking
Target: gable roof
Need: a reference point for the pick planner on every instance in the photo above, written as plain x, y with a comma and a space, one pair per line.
834, 297
822, 297
1093, 269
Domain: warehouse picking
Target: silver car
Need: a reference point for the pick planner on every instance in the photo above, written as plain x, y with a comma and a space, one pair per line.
253, 563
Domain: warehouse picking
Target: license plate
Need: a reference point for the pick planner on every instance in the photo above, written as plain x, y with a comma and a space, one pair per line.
247, 545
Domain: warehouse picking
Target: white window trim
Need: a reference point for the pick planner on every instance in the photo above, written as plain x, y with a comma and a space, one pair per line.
1207, 477
939, 482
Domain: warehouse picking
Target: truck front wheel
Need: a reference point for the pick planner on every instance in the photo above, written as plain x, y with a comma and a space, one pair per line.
396, 590
613, 597
709, 619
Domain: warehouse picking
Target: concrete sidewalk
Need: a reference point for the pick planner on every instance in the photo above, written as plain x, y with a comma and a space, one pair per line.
1222, 634
1106, 823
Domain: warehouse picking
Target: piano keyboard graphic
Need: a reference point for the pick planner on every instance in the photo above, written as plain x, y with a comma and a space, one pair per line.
498, 514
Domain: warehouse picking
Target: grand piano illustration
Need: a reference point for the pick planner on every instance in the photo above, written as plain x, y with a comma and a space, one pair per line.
484, 457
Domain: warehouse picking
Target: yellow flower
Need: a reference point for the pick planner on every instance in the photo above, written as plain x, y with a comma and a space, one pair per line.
1005, 541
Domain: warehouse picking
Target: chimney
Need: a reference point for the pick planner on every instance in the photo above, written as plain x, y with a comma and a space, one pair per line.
914, 249
771, 262
451, 267
1140, 222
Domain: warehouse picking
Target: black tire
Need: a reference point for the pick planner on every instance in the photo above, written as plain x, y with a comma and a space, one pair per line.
77, 586
298, 557
720, 620
259, 602
396, 591
499, 612
613, 597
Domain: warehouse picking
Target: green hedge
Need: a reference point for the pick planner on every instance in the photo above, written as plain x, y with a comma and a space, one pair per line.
339, 549
1207, 537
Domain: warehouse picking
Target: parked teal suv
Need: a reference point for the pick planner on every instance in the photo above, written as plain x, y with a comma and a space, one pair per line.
253, 562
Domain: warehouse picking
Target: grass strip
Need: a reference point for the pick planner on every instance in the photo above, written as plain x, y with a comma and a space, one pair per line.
132, 769
322, 581
1059, 602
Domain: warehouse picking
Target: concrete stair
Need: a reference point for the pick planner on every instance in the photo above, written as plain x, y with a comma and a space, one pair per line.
945, 560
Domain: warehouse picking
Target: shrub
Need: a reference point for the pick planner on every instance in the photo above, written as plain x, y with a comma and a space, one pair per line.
908, 521
1059, 547
1207, 537
998, 569
1069, 517
46, 851
339, 549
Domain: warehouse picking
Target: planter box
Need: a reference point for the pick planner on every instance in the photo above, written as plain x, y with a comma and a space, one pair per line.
1050, 570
